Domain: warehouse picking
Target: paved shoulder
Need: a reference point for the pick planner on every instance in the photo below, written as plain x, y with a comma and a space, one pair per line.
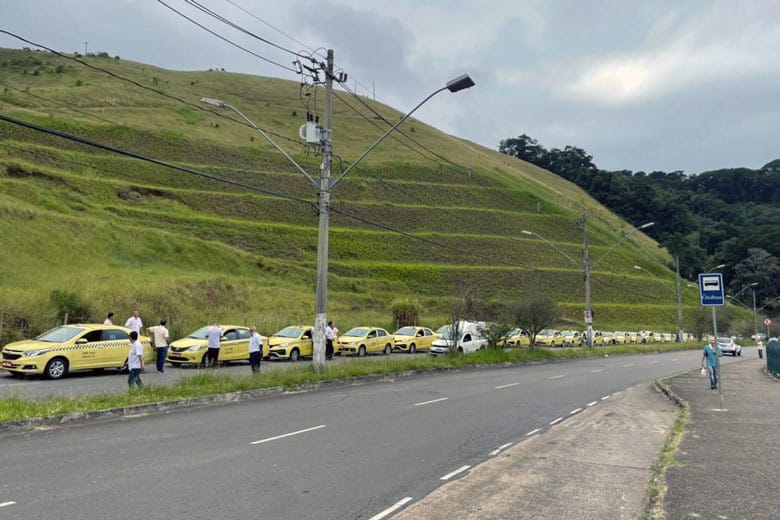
594, 465
729, 459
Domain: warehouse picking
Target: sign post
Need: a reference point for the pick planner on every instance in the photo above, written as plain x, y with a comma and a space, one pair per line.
711, 294
767, 324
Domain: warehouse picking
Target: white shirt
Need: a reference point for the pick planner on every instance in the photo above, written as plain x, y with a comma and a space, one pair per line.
214, 334
330, 333
160, 335
256, 342
109, 322
135, 355
135, 324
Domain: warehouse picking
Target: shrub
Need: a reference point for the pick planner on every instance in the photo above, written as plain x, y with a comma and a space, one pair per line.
70, 304
406, 311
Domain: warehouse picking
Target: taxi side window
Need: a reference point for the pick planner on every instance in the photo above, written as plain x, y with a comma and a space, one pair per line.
231, 335
466, 338
243, 334
307, 334
372, 334
113, 335
93, 336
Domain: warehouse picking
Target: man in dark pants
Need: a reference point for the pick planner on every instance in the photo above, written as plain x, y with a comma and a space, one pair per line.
330, 335
255, 349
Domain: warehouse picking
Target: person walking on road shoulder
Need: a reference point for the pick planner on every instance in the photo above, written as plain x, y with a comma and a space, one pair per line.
330, 335
710, 358
255, 349
135, 361
161, 342
214, 335
109, 319
134, 323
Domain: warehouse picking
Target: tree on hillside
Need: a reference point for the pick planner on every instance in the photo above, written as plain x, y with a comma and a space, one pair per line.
536, 314
524, 148
757, 267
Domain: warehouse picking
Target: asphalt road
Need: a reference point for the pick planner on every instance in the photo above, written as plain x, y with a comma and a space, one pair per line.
343, 453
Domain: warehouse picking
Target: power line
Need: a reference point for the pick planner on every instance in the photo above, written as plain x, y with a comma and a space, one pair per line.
88, 142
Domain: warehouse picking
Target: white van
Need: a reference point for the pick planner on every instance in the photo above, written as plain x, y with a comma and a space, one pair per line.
470, 340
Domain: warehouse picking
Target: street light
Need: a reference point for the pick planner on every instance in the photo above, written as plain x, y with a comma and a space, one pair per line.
586, 265
325, 185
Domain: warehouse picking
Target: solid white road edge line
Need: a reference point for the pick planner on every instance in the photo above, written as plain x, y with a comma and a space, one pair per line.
597, 370
556, 421
500, 448
506, 386
592, 403
433, 401
578, 410
453, 473
533, 432
392, 509
558, 377
288, 434
6, 504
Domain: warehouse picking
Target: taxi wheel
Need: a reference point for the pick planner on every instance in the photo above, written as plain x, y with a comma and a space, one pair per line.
295, 355
56, 368
362, 351
388, 349
552, 344
412, 348
204, 362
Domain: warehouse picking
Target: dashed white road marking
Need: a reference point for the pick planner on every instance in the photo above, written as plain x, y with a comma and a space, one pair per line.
500, 449
6, 504
577, 410
629, 365
532, 432
392, 509
605, 398
432, 401
558, 377
269, 439
506, 386
456, 472
654, 362
592, 403
597, 370
556, 421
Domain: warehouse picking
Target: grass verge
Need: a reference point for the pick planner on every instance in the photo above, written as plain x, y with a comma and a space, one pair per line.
207, 383
666, 459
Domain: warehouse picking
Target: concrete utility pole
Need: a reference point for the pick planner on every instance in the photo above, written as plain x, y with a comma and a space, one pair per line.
321, 311
679, 301
586, 269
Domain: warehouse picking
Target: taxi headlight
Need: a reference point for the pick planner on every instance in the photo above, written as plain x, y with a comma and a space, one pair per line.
194, 348
40, 352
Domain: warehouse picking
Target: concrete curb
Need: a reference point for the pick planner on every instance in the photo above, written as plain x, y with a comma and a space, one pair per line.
133, 411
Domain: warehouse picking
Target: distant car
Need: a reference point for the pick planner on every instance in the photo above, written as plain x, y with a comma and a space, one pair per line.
411, 339
549, 338
72, 347
634, 337
572, 338
192, 350
619, 338
598, 337
291, 343
517, 338
729, 346
470, 339
364, 340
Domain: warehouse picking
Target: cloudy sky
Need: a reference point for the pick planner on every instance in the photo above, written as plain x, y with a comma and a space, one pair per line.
640, 85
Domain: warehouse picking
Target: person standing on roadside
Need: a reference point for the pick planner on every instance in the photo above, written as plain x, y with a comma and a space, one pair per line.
134, 323
135, 361
109, 319
710, 359
214, 335
255, 349
161, 340
330, 335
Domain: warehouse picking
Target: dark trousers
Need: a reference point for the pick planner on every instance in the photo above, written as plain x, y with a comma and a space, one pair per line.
713, 371
254, 361
134, 377
212, 357
162, 353
328, 349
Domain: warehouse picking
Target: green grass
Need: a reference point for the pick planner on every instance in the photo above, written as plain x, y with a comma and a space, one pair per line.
208, 383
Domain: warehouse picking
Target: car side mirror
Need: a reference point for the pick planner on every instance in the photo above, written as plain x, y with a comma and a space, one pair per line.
223, 338
81, 341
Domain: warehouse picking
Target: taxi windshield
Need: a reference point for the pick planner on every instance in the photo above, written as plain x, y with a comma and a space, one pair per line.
199, 334
289, 332
60, 334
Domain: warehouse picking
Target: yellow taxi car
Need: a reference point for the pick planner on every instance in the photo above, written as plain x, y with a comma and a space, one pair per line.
74, 347
363, 340
572, 338
549, 338
619, 338
192, 350
517, 338
411, 339
292, 343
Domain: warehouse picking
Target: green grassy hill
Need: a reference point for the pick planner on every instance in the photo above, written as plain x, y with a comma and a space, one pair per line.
121, 233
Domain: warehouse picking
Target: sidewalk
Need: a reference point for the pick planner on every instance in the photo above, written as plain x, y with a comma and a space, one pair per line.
593, 466
729, 460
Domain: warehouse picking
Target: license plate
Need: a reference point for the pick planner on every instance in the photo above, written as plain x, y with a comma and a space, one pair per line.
7, 364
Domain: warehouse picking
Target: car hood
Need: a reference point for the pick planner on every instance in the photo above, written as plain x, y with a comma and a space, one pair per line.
189, 342
30, 344
275, 341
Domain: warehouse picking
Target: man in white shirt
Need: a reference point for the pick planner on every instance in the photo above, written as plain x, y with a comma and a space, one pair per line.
255, 349
160, 335
214, 335
134, 323
330, 334
135, 361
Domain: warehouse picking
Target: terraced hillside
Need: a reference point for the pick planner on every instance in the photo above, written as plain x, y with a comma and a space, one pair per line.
122, 233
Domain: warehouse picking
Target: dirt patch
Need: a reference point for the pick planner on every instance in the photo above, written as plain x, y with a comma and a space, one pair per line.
140, 192
18, 172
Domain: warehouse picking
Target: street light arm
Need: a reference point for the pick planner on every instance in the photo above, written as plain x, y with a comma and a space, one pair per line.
665, 284
734, 300
643, 226
573, 261
744, 289
222, 104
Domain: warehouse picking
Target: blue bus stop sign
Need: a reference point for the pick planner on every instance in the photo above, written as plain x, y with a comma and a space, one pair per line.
711, 289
